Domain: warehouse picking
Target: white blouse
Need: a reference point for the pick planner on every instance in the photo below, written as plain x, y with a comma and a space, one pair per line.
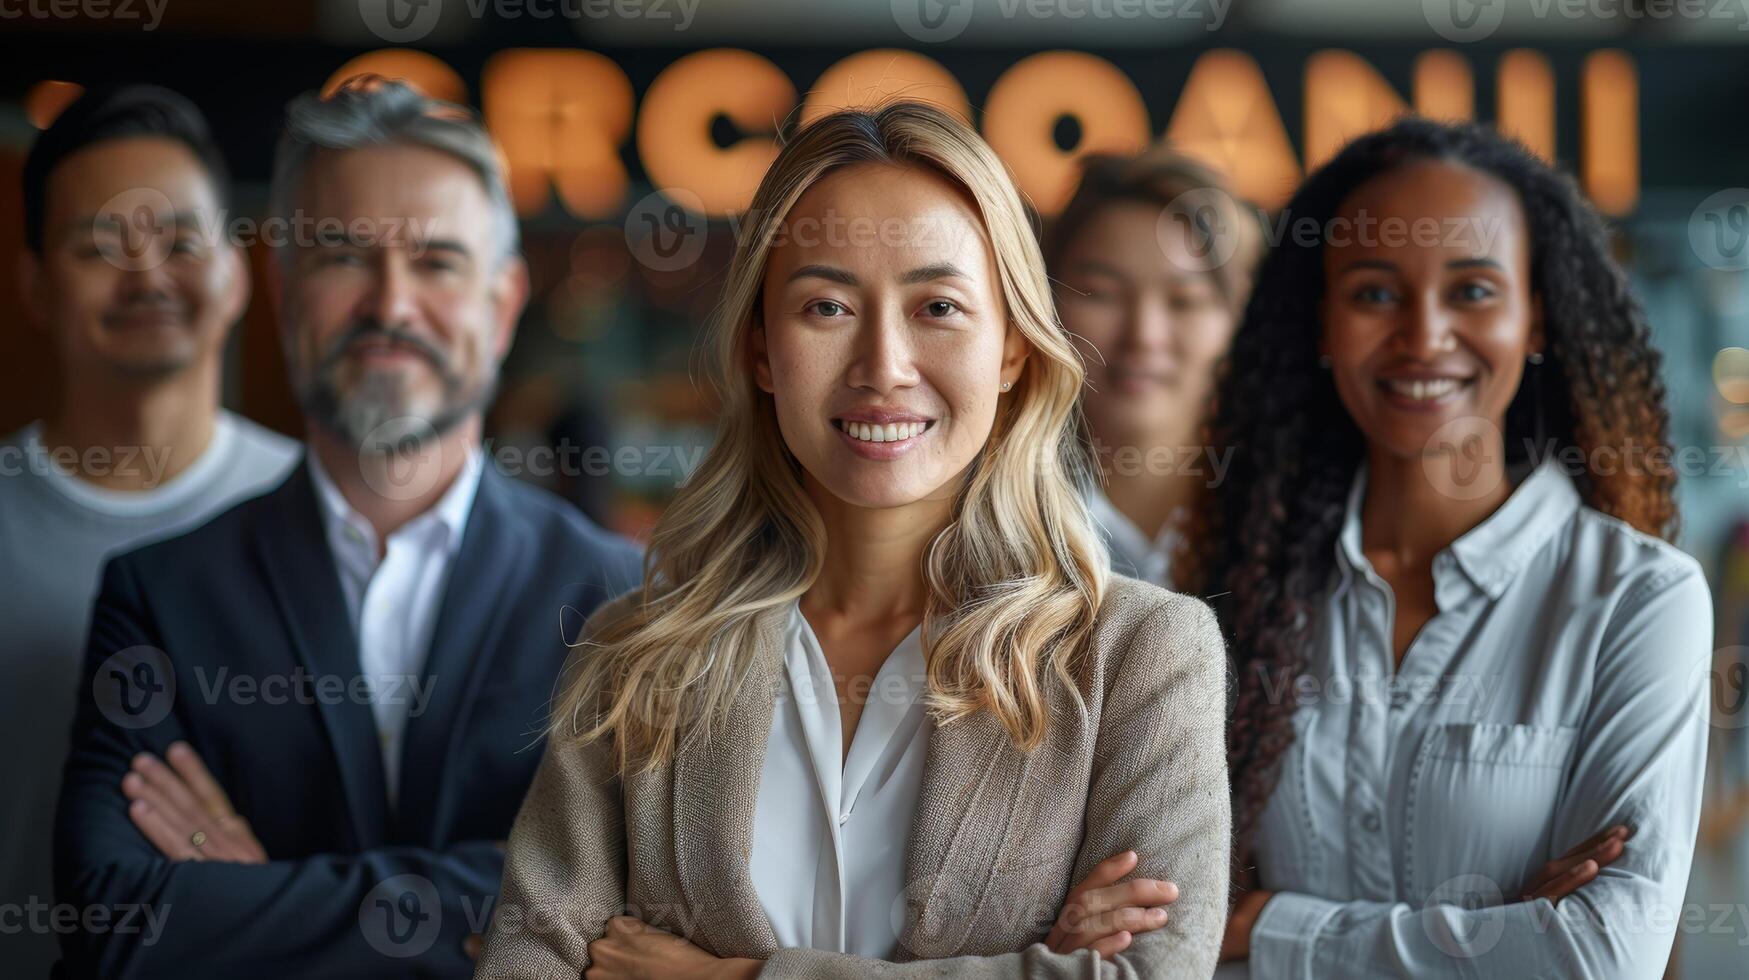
828, 859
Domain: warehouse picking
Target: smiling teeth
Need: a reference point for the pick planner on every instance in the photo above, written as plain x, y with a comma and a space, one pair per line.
1424, 391
891, 432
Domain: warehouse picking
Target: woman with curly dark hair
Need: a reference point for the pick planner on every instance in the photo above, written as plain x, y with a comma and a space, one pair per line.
1468, 665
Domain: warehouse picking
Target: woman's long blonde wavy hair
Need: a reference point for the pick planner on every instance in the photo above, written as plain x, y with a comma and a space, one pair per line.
1013, 581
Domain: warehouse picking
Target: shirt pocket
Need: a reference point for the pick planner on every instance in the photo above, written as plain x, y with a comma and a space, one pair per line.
1482, 803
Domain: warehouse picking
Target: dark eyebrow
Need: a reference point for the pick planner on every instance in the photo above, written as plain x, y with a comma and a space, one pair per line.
180, 220
829, 272
1379, 264
1476, 263
1102, 268
415, 247
940, 270
446, 245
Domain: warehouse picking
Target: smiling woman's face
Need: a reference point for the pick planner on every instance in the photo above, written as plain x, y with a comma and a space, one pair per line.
884, 340
1136, 289
1428, 309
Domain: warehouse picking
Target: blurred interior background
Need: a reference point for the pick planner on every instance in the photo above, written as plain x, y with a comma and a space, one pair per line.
634, 130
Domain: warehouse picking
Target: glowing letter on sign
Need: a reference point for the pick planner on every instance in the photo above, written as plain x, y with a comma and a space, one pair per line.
1226, 118
868, 78
1026, 103
419, 70
1526, 105
1612, 132
561, 117
1345, 98
674, 131
1444, 88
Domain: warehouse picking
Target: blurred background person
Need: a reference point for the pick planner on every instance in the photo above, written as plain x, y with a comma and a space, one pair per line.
394, 605
1470, 726
1152, 261
122, 272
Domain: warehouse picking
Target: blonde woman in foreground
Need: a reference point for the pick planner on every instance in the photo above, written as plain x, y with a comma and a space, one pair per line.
881, 702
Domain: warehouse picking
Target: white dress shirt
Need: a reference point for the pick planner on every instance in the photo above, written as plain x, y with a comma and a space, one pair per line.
1559, 689
394, 603
828, 859
1133, 553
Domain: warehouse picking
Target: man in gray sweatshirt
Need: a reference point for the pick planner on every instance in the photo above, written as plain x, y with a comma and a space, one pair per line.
125, 274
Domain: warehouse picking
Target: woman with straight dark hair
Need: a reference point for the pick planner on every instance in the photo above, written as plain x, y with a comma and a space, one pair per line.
1470, 724
1152, 261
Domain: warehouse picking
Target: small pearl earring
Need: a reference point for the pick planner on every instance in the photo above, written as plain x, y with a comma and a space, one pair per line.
1007, 385
1536, 357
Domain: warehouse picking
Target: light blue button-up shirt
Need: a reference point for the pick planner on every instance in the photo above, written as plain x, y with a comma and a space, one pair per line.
1559, 689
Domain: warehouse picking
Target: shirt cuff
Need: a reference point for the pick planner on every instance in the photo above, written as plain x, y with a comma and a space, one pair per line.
1286, 931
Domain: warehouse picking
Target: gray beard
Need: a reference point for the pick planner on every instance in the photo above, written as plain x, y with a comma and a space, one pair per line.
374, 417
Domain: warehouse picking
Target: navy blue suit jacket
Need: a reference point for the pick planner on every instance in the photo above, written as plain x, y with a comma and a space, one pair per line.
236, 638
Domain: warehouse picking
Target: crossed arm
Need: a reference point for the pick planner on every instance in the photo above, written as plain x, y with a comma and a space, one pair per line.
1160, 745
227, 908
1609, 906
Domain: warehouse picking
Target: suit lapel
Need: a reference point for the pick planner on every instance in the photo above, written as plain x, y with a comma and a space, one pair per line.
950, 854
716, 789
300, 570
484, 581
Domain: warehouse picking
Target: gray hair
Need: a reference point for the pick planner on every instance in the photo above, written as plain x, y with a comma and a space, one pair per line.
373, 111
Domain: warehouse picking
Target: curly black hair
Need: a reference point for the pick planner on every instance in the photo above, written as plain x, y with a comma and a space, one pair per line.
1266, 538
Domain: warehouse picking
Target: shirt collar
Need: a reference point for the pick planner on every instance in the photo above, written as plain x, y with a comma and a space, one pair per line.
1492, 553
1128, 539
906, 669
449, 514
1349, 557
195, 480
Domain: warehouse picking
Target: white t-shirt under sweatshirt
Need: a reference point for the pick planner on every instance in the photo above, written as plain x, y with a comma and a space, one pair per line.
55, 533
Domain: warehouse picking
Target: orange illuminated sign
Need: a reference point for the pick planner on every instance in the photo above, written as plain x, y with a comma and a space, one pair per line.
564, 117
